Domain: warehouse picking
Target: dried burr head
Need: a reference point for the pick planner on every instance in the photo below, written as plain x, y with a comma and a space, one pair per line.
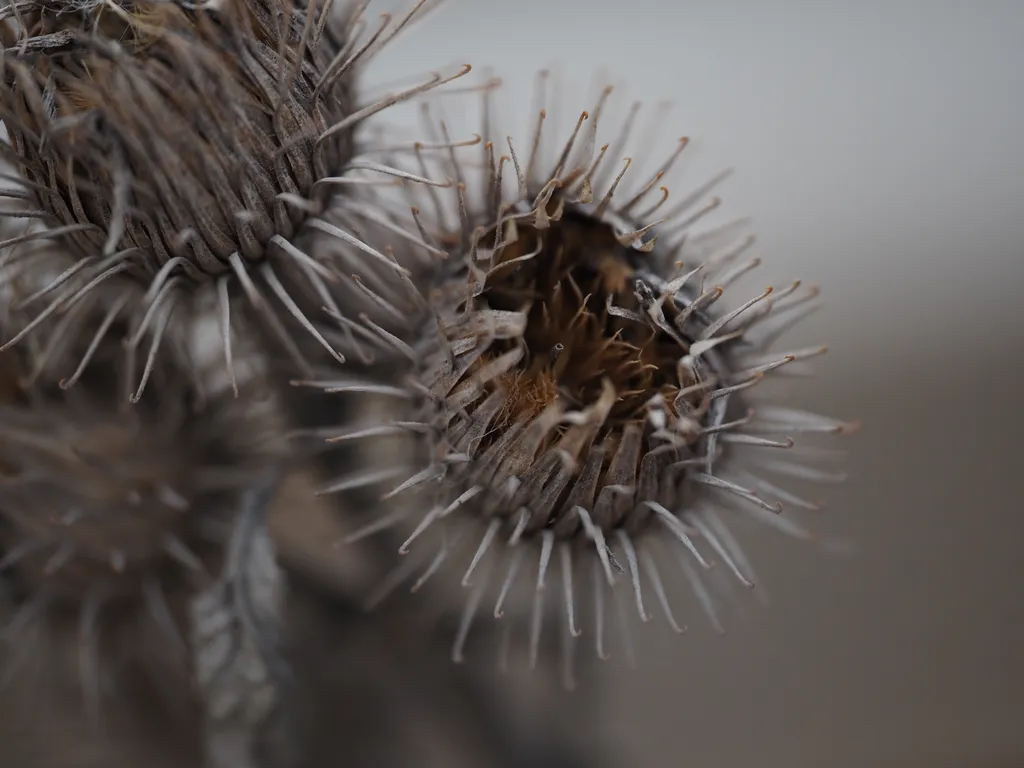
186, 147
112, 517
584, 393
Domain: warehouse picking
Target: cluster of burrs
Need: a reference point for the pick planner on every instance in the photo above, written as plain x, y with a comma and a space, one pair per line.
521, 358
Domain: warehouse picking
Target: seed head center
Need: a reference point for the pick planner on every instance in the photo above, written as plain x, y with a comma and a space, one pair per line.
573, 342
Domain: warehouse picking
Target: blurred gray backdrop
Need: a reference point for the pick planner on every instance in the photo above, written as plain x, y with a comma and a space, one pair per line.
878, 147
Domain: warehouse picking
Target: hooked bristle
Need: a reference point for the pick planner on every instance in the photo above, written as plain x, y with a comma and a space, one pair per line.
185, 148
576, 397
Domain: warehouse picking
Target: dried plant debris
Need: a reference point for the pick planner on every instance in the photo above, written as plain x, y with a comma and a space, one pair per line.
186, 147
587, 405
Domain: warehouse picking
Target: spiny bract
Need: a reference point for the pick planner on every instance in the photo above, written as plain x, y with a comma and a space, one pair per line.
575, 392
186, 146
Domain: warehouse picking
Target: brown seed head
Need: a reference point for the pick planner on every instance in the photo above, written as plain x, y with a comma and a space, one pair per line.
577, 386
186, 146
173, 131
113, 517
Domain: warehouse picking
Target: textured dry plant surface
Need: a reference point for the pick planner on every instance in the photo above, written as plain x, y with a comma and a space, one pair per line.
588, 406
512, 375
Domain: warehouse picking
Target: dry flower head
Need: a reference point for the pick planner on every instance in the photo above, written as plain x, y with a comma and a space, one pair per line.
114, 517
579, 398
186, 146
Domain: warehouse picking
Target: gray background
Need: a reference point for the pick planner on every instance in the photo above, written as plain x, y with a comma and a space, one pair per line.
878, 147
